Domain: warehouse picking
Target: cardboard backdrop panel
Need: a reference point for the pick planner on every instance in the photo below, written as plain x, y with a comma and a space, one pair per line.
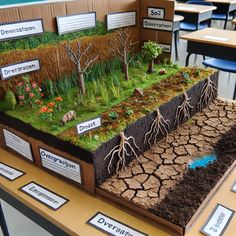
49, 11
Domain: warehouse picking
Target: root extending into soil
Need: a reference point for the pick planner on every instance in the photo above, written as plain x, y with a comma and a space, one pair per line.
122, 152
208, 93
183, 111
158, 125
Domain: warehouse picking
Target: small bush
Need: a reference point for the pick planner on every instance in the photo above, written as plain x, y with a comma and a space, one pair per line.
10, 100
113, 115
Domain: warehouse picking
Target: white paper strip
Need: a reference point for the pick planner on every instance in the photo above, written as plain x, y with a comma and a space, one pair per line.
17, 144
215, 38
9, 172
45, 196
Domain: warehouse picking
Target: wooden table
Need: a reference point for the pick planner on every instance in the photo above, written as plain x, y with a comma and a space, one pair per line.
211, 42
193, 13
224, 7
71, 218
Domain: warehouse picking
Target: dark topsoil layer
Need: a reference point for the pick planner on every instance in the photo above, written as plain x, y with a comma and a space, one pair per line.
182, 202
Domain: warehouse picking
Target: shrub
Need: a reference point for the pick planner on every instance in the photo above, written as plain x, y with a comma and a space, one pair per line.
10, 100
113, 115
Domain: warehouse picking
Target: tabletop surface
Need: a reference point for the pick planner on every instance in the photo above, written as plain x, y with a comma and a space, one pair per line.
193, 8
213, 36
72, 216
178, 18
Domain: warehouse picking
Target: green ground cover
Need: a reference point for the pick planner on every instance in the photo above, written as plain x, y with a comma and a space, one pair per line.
49, 38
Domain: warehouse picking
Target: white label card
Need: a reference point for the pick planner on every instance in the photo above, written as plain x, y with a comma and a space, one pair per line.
218, 221
43, 195
88, 125
233, 189
165, 47
121, 19
13, 70
9, 172
21, 29
72, 23
158, 13
112, 226
157, 24
60, 165
18, 144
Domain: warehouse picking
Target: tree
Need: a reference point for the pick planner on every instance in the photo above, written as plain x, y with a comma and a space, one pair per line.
77, 57
151, 51
124, 46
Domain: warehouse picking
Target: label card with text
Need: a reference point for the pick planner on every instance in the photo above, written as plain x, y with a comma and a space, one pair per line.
12, 70
21, 29
218, 221
158, 13
9, 172
157, 24
18, 144
89, 125
60, 165
233, 189
112, 227
43, 195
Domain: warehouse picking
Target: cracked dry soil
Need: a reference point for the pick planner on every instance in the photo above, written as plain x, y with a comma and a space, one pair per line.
148, 181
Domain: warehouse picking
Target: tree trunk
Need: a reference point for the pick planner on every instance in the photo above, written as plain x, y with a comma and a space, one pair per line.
81, 82
150, 67
126, 71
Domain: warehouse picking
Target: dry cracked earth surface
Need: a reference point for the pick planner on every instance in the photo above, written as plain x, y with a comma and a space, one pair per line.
147, 181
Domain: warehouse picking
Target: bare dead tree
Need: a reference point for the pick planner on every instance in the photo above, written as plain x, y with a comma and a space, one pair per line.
122, 152
183, 111
159, 125
208, 93
124, 42
77, 57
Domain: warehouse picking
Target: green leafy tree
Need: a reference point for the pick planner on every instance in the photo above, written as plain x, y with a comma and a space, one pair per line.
151, 51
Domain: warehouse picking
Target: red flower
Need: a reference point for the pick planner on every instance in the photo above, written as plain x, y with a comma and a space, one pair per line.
43, 109
31, 95
34, 85
58, 99
51, 104
42, 95
21, 97
27, 89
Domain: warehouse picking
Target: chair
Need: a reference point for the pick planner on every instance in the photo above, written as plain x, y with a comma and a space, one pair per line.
218, 14
224, 65
191, 26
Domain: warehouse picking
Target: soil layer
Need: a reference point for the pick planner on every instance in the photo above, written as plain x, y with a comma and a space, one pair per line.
162, 182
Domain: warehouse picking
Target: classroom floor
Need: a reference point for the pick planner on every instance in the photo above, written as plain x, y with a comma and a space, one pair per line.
19, 225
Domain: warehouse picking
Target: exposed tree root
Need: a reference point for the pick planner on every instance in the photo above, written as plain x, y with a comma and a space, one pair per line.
208, 93
183, 111
158, 125
122, 152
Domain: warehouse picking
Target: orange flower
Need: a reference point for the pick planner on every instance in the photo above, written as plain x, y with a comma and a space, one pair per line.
51, 104
58, 99
50, 110
44, 109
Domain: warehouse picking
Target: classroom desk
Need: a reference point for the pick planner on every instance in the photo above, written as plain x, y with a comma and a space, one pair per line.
193, 13
176, 28
211, 42
71, 218
225, 7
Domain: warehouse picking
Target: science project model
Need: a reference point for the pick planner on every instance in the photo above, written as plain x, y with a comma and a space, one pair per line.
91, 106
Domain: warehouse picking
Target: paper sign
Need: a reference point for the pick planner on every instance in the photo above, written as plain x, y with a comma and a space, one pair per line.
72, 23
13, 70
186, 8
113, 227
119, 20
215, 38
158, 13
18, 144
60, 165
165, 47
10, 172
157, 24
218, 221
233, 189
88, 125
43, 195
21, 29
